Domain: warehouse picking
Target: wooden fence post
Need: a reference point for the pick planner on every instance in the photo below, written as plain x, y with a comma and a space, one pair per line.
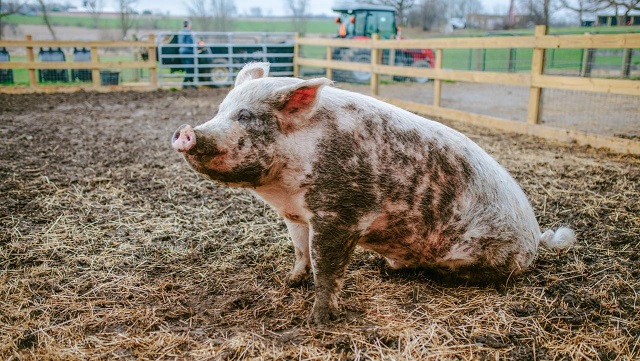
153, 74
511, 62
437, 84
626, 62
537, 68
329, 58
375, 60
95, 71
481, 59
587, 63
33, 82
296, 55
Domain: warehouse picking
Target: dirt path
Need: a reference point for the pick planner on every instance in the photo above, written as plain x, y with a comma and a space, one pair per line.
112, 248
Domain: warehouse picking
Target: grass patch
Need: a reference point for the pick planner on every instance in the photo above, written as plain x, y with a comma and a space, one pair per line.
251, 25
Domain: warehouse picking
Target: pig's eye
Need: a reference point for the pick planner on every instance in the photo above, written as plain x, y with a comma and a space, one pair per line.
244, 116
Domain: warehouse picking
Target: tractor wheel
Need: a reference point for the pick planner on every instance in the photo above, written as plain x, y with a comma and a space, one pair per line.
220, 73
337, 74
361, 76
421, 64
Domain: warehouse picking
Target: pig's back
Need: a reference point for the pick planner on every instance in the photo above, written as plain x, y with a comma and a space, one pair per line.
415, 189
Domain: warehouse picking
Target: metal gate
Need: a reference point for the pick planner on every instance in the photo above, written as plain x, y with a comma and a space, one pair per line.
217, 57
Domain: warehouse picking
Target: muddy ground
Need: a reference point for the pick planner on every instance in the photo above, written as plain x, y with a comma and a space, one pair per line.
111, 248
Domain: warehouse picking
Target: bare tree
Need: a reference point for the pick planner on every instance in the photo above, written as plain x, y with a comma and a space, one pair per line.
580, 7
403, 7
6, 9
298, 10
256, 12
622, 8
151, 20
625, 5
223, 11
126, 15
200, 15
511, 15
429, 13
462, 8
44, 10
213, 15
539, 11
94, 7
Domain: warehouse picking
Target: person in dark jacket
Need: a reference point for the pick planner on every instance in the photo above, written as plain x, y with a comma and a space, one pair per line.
186, 41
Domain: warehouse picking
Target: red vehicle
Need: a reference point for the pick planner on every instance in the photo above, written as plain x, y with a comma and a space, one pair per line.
360, 21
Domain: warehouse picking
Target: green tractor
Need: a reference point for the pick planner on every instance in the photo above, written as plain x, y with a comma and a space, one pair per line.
361, 21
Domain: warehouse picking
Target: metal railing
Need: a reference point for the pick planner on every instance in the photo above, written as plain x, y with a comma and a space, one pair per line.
216, 58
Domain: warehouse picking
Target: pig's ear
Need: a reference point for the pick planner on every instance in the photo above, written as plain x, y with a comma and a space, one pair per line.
296, 104
251, 71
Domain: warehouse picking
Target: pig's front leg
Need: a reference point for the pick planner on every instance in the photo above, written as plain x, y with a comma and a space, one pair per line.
300, 236
331, 249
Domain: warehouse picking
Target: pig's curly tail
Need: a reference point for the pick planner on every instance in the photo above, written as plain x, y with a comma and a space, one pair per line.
563, 237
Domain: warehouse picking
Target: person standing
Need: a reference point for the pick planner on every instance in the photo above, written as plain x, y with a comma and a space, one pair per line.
186, 41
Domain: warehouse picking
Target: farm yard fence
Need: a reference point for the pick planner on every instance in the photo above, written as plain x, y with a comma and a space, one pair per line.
97, 65
553, 86
527, 76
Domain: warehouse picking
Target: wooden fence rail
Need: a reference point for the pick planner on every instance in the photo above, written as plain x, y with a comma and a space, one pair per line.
536, 79
95, 65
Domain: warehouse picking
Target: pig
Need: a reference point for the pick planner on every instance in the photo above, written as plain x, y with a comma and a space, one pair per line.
344, 169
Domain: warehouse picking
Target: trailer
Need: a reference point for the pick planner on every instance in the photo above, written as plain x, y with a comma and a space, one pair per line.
217, 58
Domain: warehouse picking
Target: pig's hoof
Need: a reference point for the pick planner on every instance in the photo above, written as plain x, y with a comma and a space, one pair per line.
323, 316
298, 280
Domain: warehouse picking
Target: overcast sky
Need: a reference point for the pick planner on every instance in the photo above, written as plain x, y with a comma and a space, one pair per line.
269, 7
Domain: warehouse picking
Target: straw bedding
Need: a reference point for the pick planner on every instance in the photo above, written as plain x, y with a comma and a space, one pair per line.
111, 248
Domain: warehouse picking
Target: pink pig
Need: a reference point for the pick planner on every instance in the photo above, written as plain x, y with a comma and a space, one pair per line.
344, 169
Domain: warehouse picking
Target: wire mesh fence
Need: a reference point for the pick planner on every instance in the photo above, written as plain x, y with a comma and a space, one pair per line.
495, 60
596, 63
596, 111
601, 113
599, 63
423, 58
495, 100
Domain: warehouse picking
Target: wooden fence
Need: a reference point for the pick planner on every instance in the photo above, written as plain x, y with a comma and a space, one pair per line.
95, 65
535, 79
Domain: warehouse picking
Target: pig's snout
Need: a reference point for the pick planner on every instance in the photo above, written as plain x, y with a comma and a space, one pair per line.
183, 139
